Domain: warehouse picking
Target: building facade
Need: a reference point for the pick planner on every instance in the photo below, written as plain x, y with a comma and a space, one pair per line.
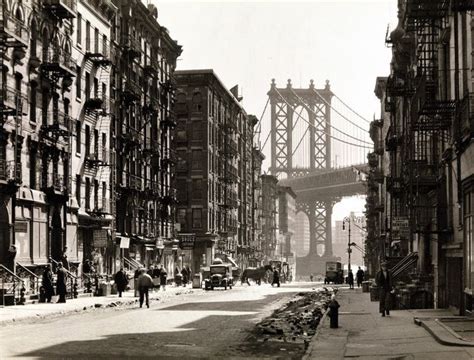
269, 216
142, 121
214, 145
427, 216
86, 128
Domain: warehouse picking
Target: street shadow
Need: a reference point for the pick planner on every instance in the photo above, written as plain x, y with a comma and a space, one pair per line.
214, 336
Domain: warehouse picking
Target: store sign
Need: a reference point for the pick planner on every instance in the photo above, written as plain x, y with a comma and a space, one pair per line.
100, 238
186, 241
124, 243
401, 226
21, 227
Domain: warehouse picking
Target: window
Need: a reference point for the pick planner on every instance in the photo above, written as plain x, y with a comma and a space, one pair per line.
33, 102
182, 190
197, 218
197, 132
96, 41
33, 169
79, 29
88, 86
88, 140
197, 189
88, 36
104, 195
182, 218
78, 136
88, 194
78, 82
197, 159
96, 194
197, 101
78, 188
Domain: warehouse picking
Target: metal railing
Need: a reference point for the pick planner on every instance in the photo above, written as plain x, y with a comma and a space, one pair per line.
70, 4
403, 265
15, 27
71, 281
59, 118
53, 57
11, 284
13, 99
55, 181
9, 171
32, 282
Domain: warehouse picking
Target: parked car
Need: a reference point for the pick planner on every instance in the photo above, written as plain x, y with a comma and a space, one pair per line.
220, 275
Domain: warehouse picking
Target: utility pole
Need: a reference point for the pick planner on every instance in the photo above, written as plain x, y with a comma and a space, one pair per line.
349, 250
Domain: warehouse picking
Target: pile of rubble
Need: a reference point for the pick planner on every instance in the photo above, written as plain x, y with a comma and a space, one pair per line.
297, 321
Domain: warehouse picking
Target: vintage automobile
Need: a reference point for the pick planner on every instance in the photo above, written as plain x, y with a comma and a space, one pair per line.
220, 275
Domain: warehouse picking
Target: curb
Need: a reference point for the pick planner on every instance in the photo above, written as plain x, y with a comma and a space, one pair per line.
307, 354
443, 334
119, 304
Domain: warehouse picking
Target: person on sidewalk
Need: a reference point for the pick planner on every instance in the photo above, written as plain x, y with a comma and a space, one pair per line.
384, 283
163, 276
144, 283
276, 278
61, 283
156, 277
185, 276
350, 279
360, 276
47, 283
121, 281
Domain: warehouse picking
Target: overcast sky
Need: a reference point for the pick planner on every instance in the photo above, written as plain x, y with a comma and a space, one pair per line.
248, 43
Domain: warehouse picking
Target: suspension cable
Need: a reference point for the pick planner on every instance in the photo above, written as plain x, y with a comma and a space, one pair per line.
337, 112
328, 123
323, 131
299, 143
355, 112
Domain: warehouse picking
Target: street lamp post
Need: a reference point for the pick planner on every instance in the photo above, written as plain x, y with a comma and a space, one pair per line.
348, 220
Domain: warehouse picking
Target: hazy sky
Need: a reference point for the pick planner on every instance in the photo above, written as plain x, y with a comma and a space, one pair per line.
249, 43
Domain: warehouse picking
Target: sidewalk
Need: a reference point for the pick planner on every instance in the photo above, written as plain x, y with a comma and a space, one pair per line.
364, 334
13, 314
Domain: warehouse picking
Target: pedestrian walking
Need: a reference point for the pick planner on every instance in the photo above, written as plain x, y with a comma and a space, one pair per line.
150, 271
121, 281
61, 279
360, 276
163, 277
47, 283
350, 279
311, 277
385, 285
144, 282
276, 278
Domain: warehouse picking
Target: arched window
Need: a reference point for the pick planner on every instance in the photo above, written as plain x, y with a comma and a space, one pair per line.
19, 13
33, 38
45, 43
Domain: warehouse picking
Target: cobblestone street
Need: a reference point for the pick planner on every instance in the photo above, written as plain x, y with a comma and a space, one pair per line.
210, 324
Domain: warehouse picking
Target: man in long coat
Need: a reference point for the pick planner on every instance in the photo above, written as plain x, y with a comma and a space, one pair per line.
47, 283
61, 288
385, 285
121, 281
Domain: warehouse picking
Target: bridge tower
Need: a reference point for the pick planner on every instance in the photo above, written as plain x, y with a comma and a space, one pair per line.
317, 105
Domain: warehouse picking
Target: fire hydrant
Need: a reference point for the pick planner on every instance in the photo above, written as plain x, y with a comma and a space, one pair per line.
334, 313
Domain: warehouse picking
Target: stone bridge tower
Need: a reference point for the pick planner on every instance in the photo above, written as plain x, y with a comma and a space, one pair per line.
317, 106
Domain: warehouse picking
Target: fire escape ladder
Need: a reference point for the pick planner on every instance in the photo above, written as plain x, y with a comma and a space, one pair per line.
404, 264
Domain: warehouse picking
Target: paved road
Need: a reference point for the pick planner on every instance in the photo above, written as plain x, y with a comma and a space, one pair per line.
200, 325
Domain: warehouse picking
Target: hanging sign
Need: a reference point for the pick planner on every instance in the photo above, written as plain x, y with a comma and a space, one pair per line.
186, 241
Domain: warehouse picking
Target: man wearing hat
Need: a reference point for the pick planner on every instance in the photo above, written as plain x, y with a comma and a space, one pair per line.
384, 283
